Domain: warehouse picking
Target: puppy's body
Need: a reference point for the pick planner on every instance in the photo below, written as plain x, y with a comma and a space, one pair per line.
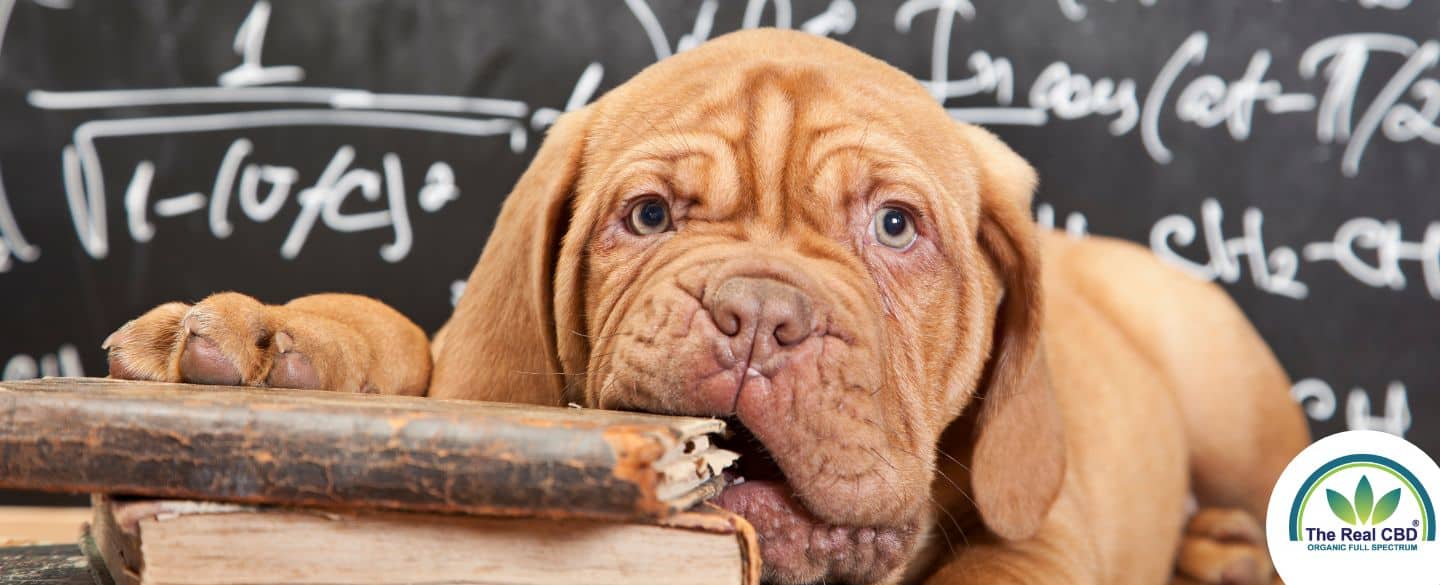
1165, 391
776, 228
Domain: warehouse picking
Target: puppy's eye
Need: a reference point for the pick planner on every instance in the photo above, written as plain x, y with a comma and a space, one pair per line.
649, 216
894, 227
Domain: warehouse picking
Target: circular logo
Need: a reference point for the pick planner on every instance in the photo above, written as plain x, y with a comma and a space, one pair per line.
1356, 507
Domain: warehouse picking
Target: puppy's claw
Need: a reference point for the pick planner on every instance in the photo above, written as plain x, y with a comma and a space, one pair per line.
283, 342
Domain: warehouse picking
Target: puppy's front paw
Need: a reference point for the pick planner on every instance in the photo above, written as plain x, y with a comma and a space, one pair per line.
223, 340
1223, 546
144, 348
315, 342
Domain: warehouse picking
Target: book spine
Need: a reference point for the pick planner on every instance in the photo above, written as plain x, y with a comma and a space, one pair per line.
206, 447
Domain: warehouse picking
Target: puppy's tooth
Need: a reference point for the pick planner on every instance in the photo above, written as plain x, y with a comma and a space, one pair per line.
283, 342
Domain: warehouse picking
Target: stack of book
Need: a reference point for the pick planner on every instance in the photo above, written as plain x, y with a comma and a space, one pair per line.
208, 485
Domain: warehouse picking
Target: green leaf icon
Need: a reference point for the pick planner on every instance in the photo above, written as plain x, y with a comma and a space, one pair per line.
1340, 506
1364, 500
1386, 506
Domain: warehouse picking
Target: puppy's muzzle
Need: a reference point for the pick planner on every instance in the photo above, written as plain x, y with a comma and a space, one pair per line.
762, 310
761, 319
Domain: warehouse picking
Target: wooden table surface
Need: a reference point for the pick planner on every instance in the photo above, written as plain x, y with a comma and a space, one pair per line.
41, 525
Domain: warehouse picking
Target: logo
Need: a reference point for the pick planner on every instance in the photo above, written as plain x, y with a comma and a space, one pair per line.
1355, 507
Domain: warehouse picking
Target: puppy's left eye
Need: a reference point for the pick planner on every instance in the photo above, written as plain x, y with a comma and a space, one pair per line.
649, 216
894, 227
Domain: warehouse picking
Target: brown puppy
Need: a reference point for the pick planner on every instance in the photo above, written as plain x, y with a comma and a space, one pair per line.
778, 229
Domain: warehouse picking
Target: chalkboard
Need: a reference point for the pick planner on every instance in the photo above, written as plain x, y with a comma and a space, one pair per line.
153, 150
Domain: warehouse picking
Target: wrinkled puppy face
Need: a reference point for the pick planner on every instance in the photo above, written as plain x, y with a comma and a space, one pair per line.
789, 245
774, 244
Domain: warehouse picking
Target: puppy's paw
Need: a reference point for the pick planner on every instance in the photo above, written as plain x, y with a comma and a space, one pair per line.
223, 340
1223, 546
144, 348
316, 342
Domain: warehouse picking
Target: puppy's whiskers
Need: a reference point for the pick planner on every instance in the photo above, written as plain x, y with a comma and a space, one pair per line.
898, 446
929, 496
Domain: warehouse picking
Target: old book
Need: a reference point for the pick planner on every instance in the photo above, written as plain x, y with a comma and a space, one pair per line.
166, 542
303, 448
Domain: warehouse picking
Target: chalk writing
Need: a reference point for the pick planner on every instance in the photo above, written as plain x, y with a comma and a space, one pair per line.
1320, 402
1057, 91
64, 362
1077, 10
1272, 270
1208, 100
320, 202
13, 245
1385, 240
991, 75
1076, 226
457, 289
1275, 269
1348, 56
85, 183
249, 43
837, 18
12, 242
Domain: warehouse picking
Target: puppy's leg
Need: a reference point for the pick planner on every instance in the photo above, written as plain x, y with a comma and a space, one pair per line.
997, 564
1241, 425
1063, 552
1223, 546
339, 342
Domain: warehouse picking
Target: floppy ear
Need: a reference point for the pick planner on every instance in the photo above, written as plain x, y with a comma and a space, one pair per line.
1018, 461
500, 344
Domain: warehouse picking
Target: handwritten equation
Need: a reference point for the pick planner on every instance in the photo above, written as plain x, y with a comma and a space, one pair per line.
1404, 110
1369, 250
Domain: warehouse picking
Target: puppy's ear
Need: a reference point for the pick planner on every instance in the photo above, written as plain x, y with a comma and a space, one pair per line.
500, 343
1018, 462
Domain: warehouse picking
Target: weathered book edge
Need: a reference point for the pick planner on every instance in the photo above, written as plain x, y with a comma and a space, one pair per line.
733, 524
321, 449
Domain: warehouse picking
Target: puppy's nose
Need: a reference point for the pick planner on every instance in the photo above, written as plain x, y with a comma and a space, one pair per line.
762, 308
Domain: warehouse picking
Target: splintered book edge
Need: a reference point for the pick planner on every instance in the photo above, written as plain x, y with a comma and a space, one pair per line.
692, 472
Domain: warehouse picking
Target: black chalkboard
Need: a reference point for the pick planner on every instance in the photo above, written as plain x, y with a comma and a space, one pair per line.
153, 150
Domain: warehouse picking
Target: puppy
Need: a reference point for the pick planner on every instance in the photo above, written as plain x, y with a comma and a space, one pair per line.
777, 229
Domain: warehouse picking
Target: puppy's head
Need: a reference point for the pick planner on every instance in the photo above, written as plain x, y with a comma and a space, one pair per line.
776, 229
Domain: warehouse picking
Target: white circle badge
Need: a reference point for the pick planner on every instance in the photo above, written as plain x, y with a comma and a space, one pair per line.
1356, 507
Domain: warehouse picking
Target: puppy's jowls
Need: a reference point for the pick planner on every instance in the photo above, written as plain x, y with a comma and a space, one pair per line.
779, 230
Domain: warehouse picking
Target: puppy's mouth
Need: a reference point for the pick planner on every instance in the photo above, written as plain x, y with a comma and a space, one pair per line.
755, 463
796, 545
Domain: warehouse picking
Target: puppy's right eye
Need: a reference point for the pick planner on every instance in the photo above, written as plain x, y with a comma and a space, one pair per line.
894, 227
649, 216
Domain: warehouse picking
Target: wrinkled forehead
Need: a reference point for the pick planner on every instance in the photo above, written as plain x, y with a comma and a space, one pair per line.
775, 139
